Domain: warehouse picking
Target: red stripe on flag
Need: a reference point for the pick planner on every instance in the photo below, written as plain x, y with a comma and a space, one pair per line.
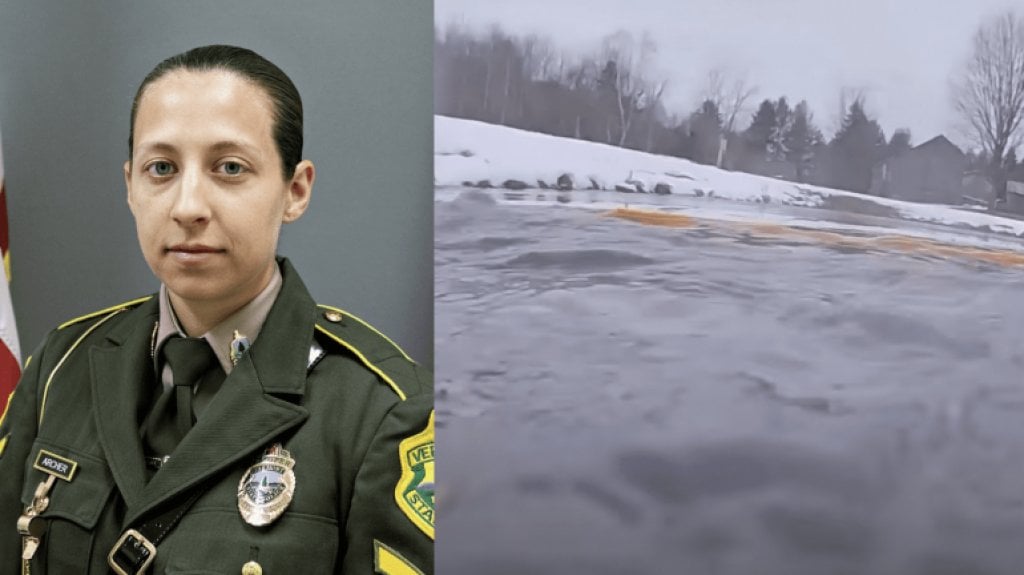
10, 371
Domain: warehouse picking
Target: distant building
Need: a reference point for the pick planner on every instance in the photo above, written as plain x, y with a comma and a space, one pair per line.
1015, 179
1015, 190
977, 186
932, 172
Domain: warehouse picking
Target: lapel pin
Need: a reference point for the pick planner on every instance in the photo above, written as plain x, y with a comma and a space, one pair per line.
239, 345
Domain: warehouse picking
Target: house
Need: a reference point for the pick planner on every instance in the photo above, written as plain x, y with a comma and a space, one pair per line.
978, 187
1015, 190
1015, 179
931, 172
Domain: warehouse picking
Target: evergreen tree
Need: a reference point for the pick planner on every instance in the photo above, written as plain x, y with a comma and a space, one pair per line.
1010, 160
972, 159
764, 141
705, 133
758, 136
858, 146
783, 122
899, 143
681, 143
800, 141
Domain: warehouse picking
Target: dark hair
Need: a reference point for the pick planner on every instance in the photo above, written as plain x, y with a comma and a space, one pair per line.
287, 130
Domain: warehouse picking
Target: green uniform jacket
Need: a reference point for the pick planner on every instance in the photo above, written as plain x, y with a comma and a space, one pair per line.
353, 410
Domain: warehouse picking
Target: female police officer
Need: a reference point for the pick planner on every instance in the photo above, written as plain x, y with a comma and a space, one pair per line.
227, 424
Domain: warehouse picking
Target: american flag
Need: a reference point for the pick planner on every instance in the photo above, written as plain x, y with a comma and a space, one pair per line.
10, 353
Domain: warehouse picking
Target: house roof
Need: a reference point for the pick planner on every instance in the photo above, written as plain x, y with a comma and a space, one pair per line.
939, 142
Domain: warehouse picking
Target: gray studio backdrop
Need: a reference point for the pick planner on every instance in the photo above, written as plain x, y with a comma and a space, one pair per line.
68, 72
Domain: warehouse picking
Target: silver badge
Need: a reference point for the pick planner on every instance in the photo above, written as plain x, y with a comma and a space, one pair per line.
267, 488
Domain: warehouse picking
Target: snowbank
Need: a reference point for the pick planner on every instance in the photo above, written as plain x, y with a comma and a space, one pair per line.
467, 152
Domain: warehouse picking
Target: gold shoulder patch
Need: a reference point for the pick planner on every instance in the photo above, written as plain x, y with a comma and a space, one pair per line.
415, 490
104, 311
387, 561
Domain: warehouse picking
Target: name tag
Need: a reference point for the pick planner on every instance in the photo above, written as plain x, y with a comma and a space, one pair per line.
55, 465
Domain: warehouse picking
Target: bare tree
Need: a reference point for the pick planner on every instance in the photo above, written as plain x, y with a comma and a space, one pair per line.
627, 64
539, 59
578, 77
989, 93
730, 94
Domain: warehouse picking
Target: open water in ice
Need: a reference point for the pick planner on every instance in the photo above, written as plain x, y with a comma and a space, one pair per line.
621, 398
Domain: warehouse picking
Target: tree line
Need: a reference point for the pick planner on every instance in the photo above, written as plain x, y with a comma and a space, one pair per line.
614, 96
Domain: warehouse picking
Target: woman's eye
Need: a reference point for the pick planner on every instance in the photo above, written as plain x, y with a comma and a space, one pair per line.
232, 168
160, 169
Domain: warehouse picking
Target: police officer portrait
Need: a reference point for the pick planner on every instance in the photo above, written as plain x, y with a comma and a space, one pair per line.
222, 418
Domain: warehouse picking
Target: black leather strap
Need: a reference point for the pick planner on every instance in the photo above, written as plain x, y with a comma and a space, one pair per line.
131, 554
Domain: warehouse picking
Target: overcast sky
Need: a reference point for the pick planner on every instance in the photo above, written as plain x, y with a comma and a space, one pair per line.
900, 53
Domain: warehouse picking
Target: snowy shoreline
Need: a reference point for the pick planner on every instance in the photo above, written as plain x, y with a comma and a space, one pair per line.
471, 152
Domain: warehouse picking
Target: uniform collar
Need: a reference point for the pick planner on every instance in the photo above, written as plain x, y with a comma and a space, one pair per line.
281, 355
248, 321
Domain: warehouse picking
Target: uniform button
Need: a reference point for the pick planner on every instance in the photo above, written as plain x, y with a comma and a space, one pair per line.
333, 316
252, 568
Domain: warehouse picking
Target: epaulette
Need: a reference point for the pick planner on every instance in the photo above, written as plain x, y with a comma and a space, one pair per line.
369, 345
105, 311
103, 315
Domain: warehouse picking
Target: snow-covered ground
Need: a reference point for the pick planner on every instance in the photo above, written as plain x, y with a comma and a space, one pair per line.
470, 151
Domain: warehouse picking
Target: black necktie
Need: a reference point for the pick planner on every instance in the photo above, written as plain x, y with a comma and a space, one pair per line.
190, 358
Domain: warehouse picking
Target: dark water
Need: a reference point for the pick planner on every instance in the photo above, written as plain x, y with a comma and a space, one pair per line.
619, 398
